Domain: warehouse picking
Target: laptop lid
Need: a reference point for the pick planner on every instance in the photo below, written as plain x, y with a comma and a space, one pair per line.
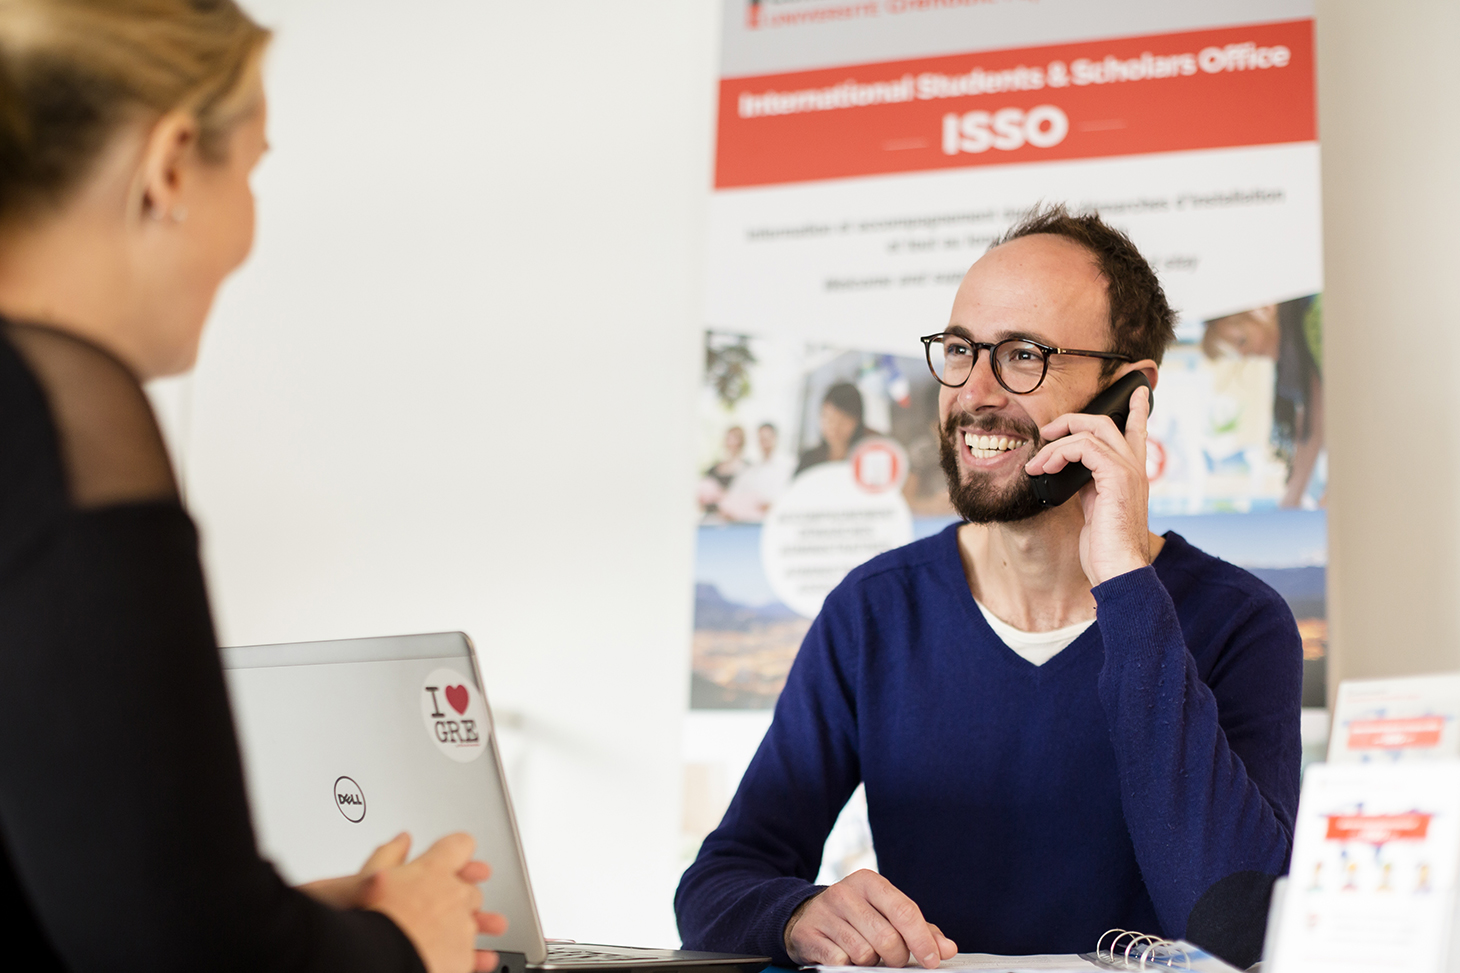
348, 743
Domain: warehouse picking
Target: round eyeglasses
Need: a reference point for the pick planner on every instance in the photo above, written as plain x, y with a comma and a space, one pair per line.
1018, 363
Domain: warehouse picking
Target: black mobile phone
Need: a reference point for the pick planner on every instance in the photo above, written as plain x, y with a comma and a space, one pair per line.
1053, 489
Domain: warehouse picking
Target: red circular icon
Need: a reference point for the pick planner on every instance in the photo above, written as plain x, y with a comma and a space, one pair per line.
1155, 460
879, 465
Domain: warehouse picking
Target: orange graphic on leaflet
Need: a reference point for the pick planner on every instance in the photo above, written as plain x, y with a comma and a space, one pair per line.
1395, 734
1376, 829
879, 121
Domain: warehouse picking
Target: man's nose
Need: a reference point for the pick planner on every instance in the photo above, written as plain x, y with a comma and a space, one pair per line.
982, 388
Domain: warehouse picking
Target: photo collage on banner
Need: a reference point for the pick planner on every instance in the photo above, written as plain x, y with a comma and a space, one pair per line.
867, 154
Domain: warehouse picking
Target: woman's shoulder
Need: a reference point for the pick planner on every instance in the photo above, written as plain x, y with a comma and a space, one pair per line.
79, 409
76, 433
32, 480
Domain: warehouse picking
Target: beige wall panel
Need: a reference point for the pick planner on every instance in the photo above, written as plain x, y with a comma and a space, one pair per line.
1389, 101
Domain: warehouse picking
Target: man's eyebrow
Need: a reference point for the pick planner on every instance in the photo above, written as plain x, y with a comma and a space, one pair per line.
1003, 335
1033, 336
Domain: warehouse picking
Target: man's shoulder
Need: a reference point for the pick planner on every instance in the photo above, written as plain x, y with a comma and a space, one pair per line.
1194, 577
926, 552
906, 567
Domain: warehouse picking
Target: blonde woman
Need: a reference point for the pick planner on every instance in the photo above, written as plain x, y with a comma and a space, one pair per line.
128, 129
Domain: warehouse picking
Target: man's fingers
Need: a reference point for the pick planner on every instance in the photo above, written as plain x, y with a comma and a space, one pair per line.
887, 941
854, 905
451, 852
864, 920
1103, 427
820, 950
1135, 425
1140, 411
914, 935
486, 961
1072, 449
851, 941
491, 923
946, 947
388, 855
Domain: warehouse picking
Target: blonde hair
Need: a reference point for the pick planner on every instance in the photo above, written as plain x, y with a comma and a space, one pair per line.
72, 72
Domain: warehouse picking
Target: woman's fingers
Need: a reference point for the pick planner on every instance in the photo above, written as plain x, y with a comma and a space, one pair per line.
346, 892
388, 855
491, 923
475, 872
451, 852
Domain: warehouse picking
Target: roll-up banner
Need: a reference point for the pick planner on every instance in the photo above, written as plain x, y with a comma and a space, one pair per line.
868, 153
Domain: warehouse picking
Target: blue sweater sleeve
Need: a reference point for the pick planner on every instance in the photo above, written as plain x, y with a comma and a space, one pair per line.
1208, 767
759, 864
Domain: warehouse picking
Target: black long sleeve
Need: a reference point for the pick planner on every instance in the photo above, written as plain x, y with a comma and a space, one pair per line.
126, 836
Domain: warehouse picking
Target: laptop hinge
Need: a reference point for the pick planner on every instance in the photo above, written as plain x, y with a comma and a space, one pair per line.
511, 962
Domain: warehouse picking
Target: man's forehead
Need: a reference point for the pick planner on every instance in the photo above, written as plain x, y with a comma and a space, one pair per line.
1039, 281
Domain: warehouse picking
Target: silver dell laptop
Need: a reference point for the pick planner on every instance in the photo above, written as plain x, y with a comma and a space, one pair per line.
346, 744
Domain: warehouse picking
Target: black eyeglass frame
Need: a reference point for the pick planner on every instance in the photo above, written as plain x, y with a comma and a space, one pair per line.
991, 347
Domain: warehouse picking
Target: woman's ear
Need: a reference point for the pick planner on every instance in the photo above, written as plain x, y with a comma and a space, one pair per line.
168, 156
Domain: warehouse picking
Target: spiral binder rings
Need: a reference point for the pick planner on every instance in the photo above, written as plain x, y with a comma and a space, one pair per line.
1118, 949
1124, 949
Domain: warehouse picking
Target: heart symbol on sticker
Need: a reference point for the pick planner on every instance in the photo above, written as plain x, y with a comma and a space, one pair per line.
458, 698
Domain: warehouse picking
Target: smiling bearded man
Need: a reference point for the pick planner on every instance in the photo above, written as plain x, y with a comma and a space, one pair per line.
974, 496
1064, 722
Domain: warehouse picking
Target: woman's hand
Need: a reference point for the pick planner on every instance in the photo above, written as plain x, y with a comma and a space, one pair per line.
434, 900
345, 892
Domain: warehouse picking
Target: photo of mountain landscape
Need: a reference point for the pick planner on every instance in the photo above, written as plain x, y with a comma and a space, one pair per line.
745, 639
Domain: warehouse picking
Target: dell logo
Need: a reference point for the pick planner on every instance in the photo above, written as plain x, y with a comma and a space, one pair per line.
350, 799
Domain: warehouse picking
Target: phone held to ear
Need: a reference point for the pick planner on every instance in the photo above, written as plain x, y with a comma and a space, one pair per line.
1053, 489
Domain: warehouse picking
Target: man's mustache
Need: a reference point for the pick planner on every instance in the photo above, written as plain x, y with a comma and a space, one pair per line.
991, 426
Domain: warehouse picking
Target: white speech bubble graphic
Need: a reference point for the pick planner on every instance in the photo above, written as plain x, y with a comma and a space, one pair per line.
826, 524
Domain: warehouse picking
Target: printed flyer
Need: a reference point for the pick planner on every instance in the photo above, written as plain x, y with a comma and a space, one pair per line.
1372, 884
861, 168
1396, 720
867, 154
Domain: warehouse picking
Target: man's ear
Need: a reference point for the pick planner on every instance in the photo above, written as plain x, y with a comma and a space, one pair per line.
1145, 365
168, 156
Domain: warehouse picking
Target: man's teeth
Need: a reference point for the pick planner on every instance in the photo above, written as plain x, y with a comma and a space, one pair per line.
985, 447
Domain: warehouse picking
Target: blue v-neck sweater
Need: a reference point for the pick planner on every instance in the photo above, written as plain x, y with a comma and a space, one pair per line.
1026, 809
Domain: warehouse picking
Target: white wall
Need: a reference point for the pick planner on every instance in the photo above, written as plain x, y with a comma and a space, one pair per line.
372, 444
1388, 99
376, 439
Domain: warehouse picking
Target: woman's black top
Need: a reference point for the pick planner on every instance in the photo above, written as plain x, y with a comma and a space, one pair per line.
125, 841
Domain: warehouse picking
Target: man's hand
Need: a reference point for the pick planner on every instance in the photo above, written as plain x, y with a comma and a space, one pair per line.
1115, 538
864, 920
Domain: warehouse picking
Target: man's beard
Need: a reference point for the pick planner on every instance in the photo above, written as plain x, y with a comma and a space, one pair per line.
976, 499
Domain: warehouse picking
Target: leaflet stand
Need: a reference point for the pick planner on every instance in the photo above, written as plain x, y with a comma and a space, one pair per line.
1392, 720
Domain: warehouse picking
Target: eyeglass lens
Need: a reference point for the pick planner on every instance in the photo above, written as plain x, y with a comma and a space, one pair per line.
1018, 364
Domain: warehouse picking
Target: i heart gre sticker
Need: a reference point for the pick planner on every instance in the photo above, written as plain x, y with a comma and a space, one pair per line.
455, 716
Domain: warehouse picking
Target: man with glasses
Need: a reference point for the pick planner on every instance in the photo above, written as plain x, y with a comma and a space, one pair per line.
1064, 722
